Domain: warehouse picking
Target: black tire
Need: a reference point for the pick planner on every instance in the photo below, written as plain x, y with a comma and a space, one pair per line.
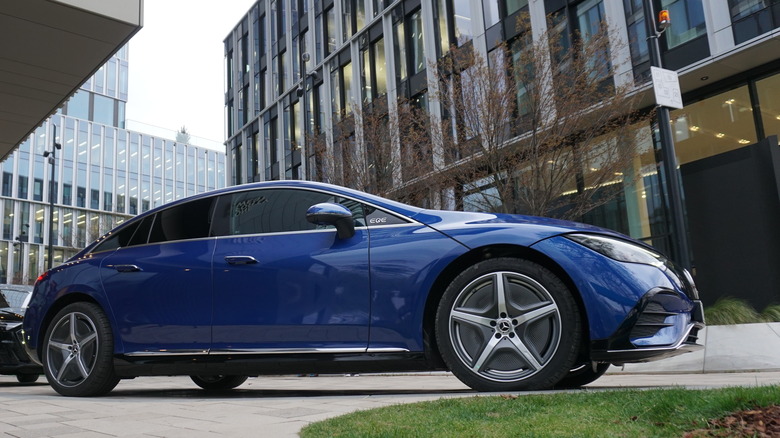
78, 352
582, 375
218, 383
522, 335
27, 378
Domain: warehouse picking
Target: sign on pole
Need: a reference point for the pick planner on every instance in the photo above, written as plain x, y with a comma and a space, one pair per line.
666, 86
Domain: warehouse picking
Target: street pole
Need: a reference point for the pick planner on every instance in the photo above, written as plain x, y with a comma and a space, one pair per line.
305, 120
51, 156
668, 155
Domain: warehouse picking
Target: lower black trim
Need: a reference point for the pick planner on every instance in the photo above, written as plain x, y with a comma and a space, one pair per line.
255, 365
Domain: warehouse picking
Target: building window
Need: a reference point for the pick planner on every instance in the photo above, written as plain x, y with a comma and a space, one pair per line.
416, 41
400, 51
583, 22
442, 30
67, 194
37, 189
8, 180
271, 155
373, 70
637, 37
768, 90
347, 17
8, 219
353, 13
103, 111
366, 75
81, 197
329, 31
409, 48
715, 125
687, 21
590, 16
238, 158
461, 11
751, 18
22, 192
78, 105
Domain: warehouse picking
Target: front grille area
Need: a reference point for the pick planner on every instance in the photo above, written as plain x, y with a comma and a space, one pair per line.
651, 320
10, 352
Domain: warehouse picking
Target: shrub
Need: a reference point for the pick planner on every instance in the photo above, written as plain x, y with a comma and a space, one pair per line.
771, 313
729, 310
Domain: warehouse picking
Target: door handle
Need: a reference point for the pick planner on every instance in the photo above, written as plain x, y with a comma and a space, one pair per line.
240, 260
127, 268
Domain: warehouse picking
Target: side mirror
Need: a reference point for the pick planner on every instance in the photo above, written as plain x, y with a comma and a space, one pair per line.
332, 214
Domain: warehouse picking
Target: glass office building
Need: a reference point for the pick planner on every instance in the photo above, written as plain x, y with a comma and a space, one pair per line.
725, 52
104, 174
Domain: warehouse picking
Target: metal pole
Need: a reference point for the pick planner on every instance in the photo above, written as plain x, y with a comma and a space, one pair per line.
305, 57
51, 156
668, 154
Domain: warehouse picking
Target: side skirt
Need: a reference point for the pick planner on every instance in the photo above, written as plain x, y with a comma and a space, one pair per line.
266, 364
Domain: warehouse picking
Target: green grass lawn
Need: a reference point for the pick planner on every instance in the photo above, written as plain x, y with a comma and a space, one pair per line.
621, 413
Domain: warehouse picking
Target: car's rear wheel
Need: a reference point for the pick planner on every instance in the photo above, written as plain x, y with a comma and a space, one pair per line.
27, 378
78, 352
508, 324
218, 383
581, 375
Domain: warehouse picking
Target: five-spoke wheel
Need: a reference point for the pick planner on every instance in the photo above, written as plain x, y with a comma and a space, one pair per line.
508, 324
78, 350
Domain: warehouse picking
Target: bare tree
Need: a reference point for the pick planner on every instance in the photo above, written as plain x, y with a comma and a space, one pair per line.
539, 127
375, 148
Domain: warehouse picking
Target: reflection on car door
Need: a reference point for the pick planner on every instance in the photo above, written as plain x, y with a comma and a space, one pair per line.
281, 284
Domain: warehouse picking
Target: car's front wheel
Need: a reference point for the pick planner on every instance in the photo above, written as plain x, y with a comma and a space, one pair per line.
219, 382
78, 352
508, 324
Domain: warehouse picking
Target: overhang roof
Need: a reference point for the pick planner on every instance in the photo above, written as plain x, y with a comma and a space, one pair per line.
48, 48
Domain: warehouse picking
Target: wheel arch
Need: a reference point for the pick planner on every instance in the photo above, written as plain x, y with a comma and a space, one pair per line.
485, 253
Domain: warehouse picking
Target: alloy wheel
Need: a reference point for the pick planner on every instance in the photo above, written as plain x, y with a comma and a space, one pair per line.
72, 349
505, 326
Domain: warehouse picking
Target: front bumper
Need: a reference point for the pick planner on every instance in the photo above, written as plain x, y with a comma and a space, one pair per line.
636, 312
663, 325
13, 358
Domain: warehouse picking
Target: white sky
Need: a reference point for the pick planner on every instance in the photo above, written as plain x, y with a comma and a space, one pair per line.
176, 68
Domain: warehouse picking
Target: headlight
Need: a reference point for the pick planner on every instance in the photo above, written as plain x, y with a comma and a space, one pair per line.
620, 250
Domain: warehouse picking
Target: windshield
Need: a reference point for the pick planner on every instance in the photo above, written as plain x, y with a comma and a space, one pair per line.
13, 297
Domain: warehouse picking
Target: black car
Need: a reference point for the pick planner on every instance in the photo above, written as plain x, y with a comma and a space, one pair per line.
13, 359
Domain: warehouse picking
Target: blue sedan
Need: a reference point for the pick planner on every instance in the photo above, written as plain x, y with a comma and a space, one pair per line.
302, 277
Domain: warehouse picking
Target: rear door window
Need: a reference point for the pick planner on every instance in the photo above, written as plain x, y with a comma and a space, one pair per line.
190, 220
273, 211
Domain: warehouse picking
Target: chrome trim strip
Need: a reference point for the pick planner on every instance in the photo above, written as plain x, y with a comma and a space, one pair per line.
387, 350
676, 346
261, 351
168, 353
286, 350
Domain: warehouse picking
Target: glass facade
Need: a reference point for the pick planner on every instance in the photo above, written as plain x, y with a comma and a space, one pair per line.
104, 175
376, 52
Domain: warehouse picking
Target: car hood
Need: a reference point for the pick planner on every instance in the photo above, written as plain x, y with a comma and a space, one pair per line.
477, 229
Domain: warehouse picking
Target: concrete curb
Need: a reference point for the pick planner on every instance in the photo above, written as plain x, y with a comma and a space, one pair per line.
727, 348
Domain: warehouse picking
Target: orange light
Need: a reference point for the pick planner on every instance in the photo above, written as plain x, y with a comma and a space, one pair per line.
664, 20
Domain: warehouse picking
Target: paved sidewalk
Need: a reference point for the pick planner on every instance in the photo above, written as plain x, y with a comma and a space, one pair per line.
261, 407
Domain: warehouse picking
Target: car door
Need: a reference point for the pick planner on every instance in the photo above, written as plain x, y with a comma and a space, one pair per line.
282, 284
159, 286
